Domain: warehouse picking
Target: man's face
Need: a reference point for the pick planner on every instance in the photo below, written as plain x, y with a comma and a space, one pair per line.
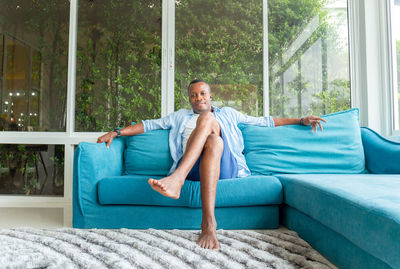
200, 97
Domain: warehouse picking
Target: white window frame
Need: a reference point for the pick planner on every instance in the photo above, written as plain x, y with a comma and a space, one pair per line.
393, 73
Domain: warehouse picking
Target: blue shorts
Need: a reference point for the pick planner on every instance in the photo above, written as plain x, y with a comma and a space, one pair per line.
228, 165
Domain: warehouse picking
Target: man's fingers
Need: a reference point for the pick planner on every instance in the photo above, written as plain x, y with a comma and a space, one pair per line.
320, 126
109, 142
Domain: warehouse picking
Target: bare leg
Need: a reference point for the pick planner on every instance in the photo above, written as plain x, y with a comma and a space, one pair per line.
171, 186
209, 175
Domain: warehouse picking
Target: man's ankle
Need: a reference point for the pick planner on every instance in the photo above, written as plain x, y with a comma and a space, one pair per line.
209, 223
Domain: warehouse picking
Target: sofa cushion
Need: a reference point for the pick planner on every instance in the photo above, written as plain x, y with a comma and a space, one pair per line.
365, 209
148, 154
295, 149
134, 190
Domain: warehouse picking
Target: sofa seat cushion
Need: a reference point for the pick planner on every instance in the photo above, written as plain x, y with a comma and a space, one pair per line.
365, 209
135, 190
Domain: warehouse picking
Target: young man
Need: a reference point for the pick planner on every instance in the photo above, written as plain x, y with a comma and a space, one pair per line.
205, 145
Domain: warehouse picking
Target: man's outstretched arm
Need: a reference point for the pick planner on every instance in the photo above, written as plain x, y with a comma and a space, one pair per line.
310, 120
134, 129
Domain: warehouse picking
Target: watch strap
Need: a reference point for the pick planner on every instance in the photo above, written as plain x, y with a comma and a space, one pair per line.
118, 131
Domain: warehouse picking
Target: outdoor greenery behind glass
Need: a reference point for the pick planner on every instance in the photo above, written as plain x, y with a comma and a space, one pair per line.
220, 42
118, 63
32, 169
308, 57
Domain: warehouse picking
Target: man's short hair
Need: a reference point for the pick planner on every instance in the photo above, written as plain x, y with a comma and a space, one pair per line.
194, 81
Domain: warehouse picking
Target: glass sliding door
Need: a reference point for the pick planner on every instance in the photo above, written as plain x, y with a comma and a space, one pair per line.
118, 63
220, 42
308, 57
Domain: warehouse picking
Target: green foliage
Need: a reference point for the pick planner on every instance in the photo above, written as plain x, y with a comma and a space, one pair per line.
119, 63
291, 61
119, 56
222, 43
333, 100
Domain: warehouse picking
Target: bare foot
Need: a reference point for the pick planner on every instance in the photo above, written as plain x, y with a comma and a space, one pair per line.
167, 186
208, 237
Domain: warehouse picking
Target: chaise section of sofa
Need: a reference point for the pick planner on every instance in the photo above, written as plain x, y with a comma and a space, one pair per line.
361, 212
341, 187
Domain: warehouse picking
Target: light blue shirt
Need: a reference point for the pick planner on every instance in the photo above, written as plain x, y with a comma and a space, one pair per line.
228, 119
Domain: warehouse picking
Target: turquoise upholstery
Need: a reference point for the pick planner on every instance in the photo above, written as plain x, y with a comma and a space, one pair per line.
364, 209
322, 181
148, 154
295, 149
134, 190
334, 246
99, 178
382, 155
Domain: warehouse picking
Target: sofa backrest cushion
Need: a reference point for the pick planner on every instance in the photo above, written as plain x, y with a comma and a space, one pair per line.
148, 154
295, 149
382, 155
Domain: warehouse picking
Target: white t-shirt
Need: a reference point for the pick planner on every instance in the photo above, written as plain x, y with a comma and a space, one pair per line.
190, 126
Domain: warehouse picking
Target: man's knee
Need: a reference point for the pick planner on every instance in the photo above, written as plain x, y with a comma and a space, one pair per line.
207, 120
214, 143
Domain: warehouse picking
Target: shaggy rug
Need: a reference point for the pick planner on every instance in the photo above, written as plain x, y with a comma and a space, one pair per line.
30, 248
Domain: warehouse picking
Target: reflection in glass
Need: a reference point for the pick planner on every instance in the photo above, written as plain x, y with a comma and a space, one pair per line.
221, 44
35, 34
32, 169
308, 57
118, 63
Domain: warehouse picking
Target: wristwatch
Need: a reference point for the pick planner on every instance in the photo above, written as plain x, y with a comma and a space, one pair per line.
117, 130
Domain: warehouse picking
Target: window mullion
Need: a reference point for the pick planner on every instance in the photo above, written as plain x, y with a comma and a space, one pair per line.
168, 56
266, 111
71, 84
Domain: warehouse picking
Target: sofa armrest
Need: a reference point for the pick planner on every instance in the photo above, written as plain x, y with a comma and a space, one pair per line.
382, 156
92, 162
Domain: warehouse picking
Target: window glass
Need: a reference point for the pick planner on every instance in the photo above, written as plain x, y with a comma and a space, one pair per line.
395, 10
118, 63
36, 45
221, 44
1, 55
32, 169
308, 57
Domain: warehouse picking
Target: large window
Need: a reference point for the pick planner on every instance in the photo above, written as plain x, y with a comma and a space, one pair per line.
119, 63
120, 66
33, 93
308, 57
395, 15
222, 43
33, 73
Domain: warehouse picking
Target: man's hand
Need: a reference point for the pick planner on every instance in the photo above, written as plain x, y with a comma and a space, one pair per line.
314, 121
108, 137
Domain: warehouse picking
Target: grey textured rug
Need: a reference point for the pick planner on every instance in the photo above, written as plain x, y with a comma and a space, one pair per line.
95, 248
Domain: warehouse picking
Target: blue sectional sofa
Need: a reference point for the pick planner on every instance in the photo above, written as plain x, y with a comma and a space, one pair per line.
339, 189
